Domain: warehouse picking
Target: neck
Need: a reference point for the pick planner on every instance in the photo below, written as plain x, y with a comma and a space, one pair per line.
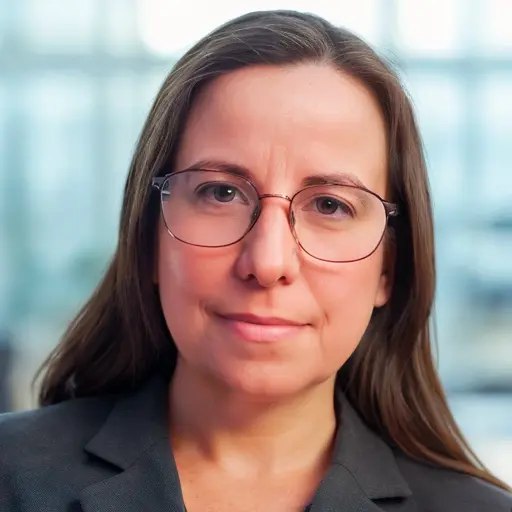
234, 430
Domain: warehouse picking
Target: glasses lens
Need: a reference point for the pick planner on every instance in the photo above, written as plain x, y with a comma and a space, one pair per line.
338, 223
208, 208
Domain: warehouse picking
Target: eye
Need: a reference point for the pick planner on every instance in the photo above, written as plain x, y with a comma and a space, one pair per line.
220, 192
329, 206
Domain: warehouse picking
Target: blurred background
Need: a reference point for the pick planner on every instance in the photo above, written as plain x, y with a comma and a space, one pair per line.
76, 81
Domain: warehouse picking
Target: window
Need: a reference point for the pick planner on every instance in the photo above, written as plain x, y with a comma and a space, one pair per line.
495, 111
61, 27
438, 99
4, 169
120, 27
494, 27
432, 28
125, 114
61, 173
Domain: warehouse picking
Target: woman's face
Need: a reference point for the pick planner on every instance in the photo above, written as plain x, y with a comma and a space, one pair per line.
282, 125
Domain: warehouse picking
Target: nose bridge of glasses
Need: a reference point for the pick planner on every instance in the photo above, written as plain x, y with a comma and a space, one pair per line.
279, 196
270, 227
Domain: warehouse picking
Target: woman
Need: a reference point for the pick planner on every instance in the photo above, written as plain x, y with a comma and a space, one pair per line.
260, 341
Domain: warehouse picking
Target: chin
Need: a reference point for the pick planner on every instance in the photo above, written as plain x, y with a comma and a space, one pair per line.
263, 381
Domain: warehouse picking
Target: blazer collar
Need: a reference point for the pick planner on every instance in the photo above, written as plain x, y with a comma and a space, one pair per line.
364, 475
367, 456
136, 422
134, 438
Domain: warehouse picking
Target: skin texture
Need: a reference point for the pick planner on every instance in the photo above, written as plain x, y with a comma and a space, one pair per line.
240, 410
282, 124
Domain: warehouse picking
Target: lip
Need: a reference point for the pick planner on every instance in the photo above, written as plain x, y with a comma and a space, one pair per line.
261, 320
261, 329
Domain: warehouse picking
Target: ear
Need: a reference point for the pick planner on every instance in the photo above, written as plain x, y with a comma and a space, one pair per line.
387, 277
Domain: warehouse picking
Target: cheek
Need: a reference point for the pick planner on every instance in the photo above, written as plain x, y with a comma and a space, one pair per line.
182, 268
346, 295
186, 277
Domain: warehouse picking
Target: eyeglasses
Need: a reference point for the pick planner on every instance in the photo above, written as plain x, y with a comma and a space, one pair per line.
331, 222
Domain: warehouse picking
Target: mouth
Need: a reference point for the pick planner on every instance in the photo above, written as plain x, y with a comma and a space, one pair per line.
261, 320
261, 329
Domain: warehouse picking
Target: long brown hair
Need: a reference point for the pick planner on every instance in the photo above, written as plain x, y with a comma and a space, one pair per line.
120, 336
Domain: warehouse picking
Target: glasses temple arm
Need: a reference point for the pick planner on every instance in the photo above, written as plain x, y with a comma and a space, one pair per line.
391, 208
158, 182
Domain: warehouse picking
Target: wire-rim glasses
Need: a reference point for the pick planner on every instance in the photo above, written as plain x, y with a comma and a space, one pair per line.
336, 223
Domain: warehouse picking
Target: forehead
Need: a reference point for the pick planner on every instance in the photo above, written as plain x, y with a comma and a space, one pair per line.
285, 123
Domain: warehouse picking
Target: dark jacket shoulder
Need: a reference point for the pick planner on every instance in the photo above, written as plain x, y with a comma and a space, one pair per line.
113, 453
438, 490
52, 429
42, 461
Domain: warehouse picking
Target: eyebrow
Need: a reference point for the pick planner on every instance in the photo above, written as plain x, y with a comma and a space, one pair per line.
334, 178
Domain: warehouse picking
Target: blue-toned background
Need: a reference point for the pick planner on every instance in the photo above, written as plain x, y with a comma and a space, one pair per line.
76, 81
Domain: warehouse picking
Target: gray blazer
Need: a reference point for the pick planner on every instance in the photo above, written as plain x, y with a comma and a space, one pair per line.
112, 454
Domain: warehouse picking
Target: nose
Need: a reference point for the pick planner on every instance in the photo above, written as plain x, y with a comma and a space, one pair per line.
269, 253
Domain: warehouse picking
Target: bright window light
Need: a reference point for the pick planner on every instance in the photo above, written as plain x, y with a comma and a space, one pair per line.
169, 29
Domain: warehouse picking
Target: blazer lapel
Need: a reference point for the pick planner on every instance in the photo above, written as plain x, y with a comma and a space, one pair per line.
339, 491
149, 485
364, 476
134, 440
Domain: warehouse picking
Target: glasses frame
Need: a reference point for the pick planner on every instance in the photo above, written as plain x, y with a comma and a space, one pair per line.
390, 209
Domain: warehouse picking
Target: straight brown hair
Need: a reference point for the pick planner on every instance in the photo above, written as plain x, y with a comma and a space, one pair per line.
120, 337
